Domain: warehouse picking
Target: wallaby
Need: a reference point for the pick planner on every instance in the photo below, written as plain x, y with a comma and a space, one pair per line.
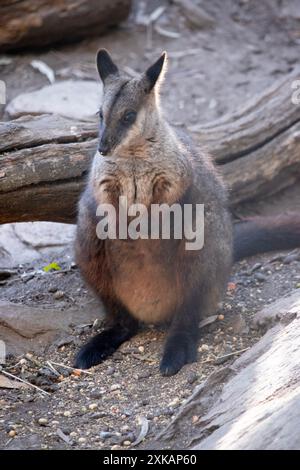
141, 157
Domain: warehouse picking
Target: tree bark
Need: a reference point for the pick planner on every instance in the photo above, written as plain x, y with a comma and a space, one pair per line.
28, 23
44, 159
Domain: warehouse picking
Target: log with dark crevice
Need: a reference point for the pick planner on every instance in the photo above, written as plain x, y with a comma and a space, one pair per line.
28, 23
44, 159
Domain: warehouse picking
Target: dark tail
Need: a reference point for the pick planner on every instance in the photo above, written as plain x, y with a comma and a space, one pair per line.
262, 234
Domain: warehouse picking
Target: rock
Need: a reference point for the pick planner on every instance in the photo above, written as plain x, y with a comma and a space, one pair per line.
33, 329
43, 421
64, 341
174, 403
106, 434
260, 277
254, 268
25, 242
284, 309
110, 370
253, 403
74, 99
93, 406
30, 442
203, 348
192, 377
115, 387
96, 394
58, 295
238, 324
291, 258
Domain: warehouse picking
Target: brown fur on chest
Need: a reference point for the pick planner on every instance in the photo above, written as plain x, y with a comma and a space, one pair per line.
144, 278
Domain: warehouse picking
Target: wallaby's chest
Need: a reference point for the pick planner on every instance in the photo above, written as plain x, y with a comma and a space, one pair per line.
144, 271
145, 277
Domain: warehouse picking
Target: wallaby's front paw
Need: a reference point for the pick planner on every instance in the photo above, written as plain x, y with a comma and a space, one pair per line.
177, 353
87, 357
95, 351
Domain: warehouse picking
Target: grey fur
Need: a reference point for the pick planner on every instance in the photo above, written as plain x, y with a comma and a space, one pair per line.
153, 281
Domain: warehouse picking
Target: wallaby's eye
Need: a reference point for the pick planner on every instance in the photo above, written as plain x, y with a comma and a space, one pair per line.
100, 114
129, 117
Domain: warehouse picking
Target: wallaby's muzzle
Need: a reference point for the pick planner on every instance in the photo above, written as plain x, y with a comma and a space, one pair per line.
103, 148
104, 145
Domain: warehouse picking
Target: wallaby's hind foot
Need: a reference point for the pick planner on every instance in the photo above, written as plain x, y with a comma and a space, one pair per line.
180, 349
104, 345
182, 340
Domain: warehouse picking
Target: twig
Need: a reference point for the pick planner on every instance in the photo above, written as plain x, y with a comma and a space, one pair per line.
23, 381
33, 360
64, 437
144, 423
50, 366
166, 33
232, 354
156, 14
69, 367
226, 356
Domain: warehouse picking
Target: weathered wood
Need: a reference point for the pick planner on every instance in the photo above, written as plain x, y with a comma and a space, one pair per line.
253, 403
28, 23
43, 159
195, 15
255, 123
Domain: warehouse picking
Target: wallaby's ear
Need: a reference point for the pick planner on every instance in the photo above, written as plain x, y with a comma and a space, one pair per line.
155, 73
106, 67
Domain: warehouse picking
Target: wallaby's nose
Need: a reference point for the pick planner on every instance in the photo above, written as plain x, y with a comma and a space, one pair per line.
103, 147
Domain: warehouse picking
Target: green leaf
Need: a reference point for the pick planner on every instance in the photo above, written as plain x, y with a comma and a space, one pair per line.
51, 266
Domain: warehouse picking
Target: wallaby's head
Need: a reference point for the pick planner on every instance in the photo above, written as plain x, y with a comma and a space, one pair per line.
129, 109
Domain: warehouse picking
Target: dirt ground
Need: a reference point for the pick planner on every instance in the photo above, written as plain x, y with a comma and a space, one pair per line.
106, 407
211, 72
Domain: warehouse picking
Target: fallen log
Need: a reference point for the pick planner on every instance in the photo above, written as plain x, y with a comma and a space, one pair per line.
44, 159
28, 23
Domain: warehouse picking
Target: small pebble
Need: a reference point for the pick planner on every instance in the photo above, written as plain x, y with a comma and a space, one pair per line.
115, 447
52, 289
192, 377
110, 371
106, 434
174, 402
127, 443
93, 406
67, 413
115, 387
12, 433
58, 295
43, 421
96, 394
260, 277
221, 317
290, 258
